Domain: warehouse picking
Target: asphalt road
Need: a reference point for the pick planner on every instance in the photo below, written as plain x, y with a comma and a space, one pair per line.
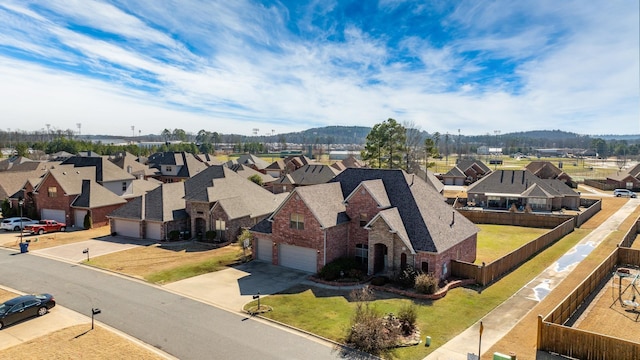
184, 328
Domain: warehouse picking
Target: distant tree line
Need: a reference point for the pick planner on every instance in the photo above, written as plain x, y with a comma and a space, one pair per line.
205, 141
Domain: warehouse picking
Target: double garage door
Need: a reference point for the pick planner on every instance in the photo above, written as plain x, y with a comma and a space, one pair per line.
295, 257
299, 258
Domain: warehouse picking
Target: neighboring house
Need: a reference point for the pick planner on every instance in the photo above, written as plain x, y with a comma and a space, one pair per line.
287, 165
304, 176
153, 215
430, 178
629, 179
387, 220
129, 163
13, 162
352, 162
218, 199
252, 161
546, 170
175, 166
209, 159
247, 172
56, 191
504, 189
95, 201
107, 174
466, 172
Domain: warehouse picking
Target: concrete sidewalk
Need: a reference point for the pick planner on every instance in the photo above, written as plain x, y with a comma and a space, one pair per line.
504, 317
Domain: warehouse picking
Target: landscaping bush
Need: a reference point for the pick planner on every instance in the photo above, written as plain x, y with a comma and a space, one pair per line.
426, 284
407, 278
369, 331
88, 222
408, 315
338, 268
210, 235
174, 235
379, 280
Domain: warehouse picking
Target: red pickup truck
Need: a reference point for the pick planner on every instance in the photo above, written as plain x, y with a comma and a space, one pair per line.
45, 226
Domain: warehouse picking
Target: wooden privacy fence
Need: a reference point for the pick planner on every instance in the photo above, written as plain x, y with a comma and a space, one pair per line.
631, 235
487, 273
554, 336
593, 207
537, 220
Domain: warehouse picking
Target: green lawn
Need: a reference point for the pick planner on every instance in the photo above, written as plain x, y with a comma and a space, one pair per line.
327, 313
496, 241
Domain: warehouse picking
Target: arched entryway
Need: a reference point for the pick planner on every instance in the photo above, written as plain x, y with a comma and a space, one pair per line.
379, 258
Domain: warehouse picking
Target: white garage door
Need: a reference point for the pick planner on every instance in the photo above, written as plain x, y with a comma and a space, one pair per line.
52, 214
297, 257
127, 228
153, 231
79, 218
264, 251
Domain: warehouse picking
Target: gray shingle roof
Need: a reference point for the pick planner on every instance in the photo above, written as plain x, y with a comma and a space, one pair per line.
70, 178
313, 174
94, 195
105, 170
188, 164
219, 182
425, 215
517, 182
325, 202
165, 203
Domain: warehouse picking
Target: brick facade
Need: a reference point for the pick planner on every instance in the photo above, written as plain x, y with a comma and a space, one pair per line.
361, 202
61, 201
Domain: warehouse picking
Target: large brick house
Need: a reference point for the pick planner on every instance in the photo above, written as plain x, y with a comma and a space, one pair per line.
386, 219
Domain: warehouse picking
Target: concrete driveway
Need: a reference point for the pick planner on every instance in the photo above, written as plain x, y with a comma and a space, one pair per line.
97, 247
232, 288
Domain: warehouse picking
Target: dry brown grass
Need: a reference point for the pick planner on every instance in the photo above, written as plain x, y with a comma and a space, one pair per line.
608, 315
143, 261
522, 338
58, 238
76, 342
80, 342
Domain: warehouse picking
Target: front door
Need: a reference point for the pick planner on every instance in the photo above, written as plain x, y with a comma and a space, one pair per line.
379, 258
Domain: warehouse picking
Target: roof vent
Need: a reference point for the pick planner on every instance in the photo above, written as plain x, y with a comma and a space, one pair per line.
453, 218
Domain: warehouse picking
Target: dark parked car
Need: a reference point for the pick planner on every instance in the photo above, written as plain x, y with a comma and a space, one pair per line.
24, 307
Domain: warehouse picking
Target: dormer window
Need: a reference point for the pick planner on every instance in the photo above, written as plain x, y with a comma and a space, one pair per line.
124, 186
169, 168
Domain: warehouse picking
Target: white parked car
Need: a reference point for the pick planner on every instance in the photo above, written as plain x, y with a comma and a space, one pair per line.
14, 223
624, 193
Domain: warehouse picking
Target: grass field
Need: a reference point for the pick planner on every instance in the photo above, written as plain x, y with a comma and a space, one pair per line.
496, 241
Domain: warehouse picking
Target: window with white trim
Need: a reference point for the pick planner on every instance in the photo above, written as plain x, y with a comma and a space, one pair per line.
296, 221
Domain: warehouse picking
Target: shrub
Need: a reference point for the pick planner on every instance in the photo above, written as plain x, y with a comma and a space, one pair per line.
210, 235
369, 331
408, 315
407, 277
174, 235
426, 284
341, 266
88, 222
379, 280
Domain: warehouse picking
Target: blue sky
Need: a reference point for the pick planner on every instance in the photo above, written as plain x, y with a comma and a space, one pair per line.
282, 66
